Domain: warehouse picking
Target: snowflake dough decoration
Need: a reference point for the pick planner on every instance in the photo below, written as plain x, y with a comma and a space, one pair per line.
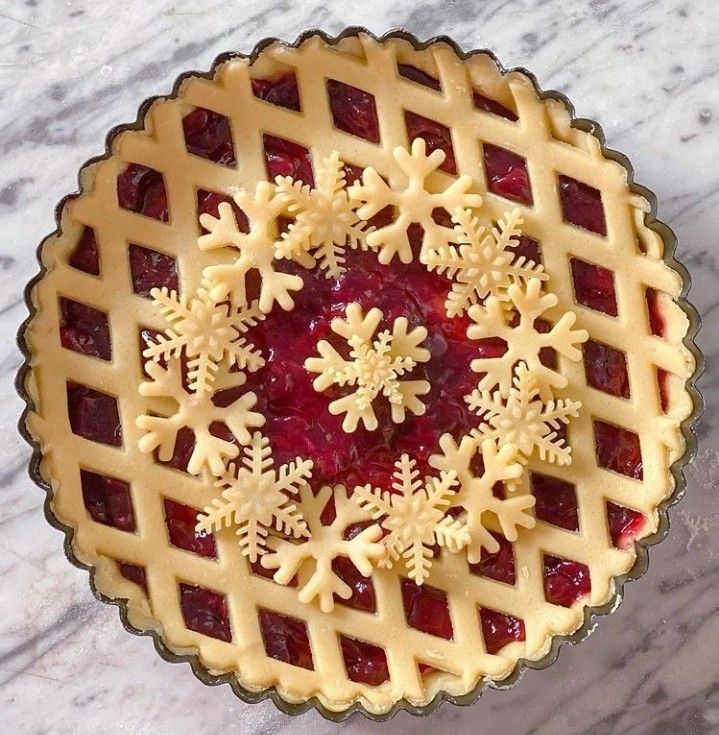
197, 412
374, 366
325, 544
414, 517
255, 498
413, 205
475, 494
256, 247
482, 262
207, 331
523, 340
325, 219
523, 419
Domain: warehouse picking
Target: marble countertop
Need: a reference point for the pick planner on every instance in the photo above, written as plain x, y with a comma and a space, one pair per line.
648, 70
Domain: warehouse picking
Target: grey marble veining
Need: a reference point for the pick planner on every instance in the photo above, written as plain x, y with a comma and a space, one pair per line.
69, 71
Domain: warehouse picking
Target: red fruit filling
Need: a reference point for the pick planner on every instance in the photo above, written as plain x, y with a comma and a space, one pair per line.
498, 565
489, 105
142, 190
107, 500
84, 329
208, 202
426, 609
205, 611
285, 639
181, 521
85, 256
282, 92
527, 248
499, 629
594, 286
618, 449
606, 368
133, 573
556, 501
435, 135
664, 379
507, 174
565, 581
657, 321
624, 524
207, 134
150, 269
365, 663
93, 415
285, 158
417, 75
582, 205
353, 110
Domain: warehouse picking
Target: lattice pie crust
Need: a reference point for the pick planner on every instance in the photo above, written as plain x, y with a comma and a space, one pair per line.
541, 135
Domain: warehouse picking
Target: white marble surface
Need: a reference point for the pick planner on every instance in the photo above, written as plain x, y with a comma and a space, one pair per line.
71, 69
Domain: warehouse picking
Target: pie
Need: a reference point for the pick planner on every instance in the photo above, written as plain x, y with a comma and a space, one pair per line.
357, 371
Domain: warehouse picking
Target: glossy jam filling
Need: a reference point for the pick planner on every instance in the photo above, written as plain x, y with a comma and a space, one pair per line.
499, 629
133, 573
181, 520
205, 611
556, 501
565, 581
84, 329
150, 269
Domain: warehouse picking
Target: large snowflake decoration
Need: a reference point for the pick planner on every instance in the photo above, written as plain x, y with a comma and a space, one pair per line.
475, 494
413, 205
195, 411
208, 332
482, 263
326, 543
374, 366
414, 517
516, 326
255, 498
523, 419
325, 220
256, 250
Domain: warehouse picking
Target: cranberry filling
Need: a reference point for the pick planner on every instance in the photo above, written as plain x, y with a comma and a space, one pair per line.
363, 597
85, 256
93, 415
353, 110
606, 368
582, 205
426, 609
565, 581
594, 286
208, 202
489, 105
205, 611
181, 521
656, 317
84, 329
285, 639
499, 629
498, 565
417, 75
142, 190
507, 174
435, 135
365, 663
150, 269
285, 158
282, 92
207, 134
527, 248
618, 449
556, 501
133, 573
107, 500
624, 524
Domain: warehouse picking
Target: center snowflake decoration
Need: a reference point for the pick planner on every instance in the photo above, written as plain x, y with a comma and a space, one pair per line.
256, 497
414, 204
374, 366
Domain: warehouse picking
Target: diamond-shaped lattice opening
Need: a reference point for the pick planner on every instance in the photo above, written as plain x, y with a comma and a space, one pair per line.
417, 75
133, 573
181, 520
556, 501
150, 269
426, 609
93, 415
618, 449
435, 135
363, 595
353, 110
107, 500
282, 91
507, 174
606, 368
528, 248
565, 581
664, 379
84, 329
208, 135
85, 256
365, 663
205, 611
142, 190
624, 524
208, 202
594, 286
285, 639
498, 565
582, 205
499, 629
285, 158
656, 317
489, 105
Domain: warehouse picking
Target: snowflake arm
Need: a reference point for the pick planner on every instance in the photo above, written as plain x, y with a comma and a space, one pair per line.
255, 498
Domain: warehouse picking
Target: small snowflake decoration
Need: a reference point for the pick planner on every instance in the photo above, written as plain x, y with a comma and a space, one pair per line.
523, 419
475, 494
325, 220
413, 205
326, 543
194, 411
374, 366
255, 497
414, 517
207, 332
524, 341
256, 250
482, 262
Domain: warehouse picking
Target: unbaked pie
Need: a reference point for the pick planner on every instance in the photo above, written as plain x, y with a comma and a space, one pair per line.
358, 371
